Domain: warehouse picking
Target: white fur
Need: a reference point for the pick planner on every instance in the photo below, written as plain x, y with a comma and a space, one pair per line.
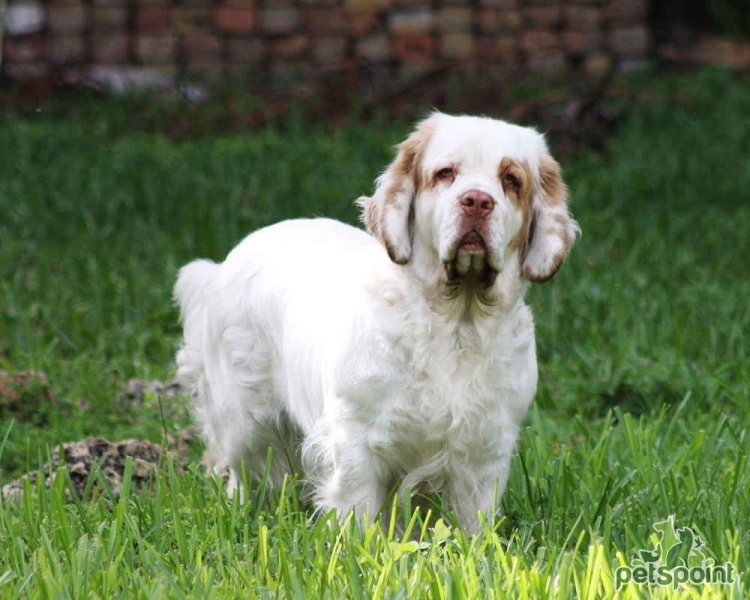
362, 373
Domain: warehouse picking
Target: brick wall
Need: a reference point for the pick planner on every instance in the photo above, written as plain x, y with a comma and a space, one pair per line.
274, 41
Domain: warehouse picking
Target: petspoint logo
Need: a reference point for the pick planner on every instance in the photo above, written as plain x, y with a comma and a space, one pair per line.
679, 557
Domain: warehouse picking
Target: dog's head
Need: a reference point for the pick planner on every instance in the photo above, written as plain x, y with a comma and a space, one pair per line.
475, 196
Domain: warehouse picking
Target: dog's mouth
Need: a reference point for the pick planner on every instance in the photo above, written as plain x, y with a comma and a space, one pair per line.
471, 260
472, 243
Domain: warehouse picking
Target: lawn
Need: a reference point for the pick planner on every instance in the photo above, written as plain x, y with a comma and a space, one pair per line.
643, 409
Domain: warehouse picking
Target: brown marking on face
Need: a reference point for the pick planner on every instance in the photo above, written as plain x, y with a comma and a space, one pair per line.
517, 184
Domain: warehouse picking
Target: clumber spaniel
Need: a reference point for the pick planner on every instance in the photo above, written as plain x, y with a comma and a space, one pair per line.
403, 355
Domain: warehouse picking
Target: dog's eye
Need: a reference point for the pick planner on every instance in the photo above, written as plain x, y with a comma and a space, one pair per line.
511, 181
446, 174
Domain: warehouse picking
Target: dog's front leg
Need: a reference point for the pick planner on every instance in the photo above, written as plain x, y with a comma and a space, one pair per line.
477, 490
354, 482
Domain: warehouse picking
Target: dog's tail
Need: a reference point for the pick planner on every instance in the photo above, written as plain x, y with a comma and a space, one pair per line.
192, 295
192, 283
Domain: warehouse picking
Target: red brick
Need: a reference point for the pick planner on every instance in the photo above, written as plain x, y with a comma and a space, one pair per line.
507, 49
581, 18
293, 46
538, 41
491, 20
110, 48
361, 24
456, 45
414, 48
547, 63
329, 51
625, 12
283, 20
201, 43
488, 20
207, 67
235, 20
454, 19
66, 19
154, 18
367, 6
629, 41
244, 4
326, 21
543, 17
502, 50
66, 49
290, 71
24, 49
240, 71
109, 18
245, 50
580, 42
26, 71
485, 48
109, 2
155, 48
191, 19
162, 3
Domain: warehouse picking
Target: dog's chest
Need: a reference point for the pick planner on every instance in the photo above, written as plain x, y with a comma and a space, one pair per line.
425, 397
447, 402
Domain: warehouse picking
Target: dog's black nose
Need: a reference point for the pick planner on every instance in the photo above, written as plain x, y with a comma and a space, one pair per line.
477, 204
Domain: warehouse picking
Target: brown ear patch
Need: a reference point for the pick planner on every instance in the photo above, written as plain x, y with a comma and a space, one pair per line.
551, 180
552, 231
387, 214
369, 214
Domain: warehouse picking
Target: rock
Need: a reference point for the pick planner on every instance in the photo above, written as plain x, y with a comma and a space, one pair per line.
123, 79
136, 389
102, 458
23, 18
24, 395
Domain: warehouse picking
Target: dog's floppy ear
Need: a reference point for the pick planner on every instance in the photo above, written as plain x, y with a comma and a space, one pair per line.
387, 214
553, 231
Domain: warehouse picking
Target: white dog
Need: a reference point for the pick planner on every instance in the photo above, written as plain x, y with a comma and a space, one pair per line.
403, 355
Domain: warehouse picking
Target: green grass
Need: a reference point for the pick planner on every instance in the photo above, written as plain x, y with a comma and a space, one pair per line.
643, 409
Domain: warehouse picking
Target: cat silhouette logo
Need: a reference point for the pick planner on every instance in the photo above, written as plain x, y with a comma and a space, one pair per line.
679, 557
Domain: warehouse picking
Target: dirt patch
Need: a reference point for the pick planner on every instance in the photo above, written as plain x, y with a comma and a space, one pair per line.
105, 461
26, 396
28, 392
